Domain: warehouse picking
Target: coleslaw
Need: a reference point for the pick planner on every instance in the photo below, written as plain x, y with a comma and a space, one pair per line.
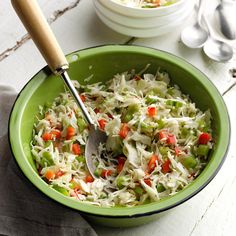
146, 3
158, 141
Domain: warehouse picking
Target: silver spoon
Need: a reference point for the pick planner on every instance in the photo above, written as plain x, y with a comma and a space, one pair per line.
195, 36
226, 15
34, 21
216, 49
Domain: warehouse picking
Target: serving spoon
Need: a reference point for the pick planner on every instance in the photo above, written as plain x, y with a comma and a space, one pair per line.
215, 49
35, 23
226, 14
195, 36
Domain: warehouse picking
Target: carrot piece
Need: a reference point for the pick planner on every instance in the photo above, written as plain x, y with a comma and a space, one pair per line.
152, 163
151, 111
56, 133
89, 179
76, 149
166, 166
124, 130
47, 136
50, 175
105, 173
121, 162
70, 132
102, 124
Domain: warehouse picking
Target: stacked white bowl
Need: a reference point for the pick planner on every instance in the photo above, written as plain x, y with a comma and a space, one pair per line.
143, 22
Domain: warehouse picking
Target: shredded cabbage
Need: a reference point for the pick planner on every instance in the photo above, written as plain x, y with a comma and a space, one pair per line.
158, 141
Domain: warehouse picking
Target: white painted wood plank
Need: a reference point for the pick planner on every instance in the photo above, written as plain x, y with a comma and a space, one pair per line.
76, 29
12, 30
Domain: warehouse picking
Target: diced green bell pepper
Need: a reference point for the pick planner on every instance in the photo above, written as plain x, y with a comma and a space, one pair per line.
81, 124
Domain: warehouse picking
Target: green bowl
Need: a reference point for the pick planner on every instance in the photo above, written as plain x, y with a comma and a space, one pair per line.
103, 62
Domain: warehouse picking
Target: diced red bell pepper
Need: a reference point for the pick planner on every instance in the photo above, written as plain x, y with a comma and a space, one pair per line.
121, 162
204, 138
96, 110
166, 166
171, 139
163, 134
148, 182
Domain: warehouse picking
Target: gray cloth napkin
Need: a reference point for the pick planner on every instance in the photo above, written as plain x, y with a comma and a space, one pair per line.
23, 209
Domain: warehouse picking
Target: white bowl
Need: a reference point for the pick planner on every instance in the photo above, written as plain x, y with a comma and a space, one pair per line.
143, 12
146, 22
143, 32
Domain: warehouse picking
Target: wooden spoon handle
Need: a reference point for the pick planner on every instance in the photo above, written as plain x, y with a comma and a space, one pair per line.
35, 23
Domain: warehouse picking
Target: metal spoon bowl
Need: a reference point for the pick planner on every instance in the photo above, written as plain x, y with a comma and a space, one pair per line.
218, 50
215, 49
195, 36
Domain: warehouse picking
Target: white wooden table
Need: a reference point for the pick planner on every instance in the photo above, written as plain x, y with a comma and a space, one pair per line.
213, 210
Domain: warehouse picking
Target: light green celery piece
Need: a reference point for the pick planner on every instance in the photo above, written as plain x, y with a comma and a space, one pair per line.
81, 124
202, 150
80, 158
120, 182
61, 190
160, 188
189, 162
46, 159
138, 190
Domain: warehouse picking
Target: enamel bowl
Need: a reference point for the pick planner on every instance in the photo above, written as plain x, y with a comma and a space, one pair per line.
103, 62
